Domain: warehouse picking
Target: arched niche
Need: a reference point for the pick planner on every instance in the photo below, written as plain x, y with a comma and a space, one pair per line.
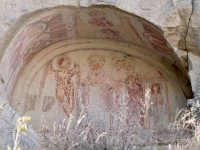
99, 60
33, 32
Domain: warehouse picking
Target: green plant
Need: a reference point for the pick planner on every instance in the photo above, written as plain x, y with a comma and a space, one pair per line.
21, 129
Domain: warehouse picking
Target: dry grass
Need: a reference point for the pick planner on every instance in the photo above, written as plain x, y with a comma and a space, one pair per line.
85, 133
183, 134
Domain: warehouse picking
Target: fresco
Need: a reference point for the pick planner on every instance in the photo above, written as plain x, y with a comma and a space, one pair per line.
157, 101
108, 33
65, 91
158, 41
80, 23
104, 24
100, 18
110, 87
149, 34
37, 36
158, 105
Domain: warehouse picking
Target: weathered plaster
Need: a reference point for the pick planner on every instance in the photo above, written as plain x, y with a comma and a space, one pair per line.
164, 14
178, 19
46, 27
108, 75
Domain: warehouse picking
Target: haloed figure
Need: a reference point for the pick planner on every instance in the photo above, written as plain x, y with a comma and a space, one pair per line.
96, 78
97, 89
96, 85
65, 85
156, 110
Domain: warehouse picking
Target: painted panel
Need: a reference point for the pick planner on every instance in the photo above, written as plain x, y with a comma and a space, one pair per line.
110, 87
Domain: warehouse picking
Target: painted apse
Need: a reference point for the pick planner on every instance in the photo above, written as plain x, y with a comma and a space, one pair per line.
115, 89
102, 23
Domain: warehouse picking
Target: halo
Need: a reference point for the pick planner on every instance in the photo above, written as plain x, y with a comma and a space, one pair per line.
93, 56
128, 60
65, 56
160, 84
115, 60
125, 60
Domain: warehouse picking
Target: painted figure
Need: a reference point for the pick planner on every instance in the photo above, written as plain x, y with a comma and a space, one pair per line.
134, 92
134, 87
128, 90
158, 42
41, 42
135, 98
100, 22
99, 18
156, 109
96, 79
65, 86
111, 34
128, 67
117, 81
96, 90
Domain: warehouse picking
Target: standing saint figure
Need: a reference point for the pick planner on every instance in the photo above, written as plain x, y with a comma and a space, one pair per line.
65, 85
95, 80
134, 93
156, 109
117, 82
96, 91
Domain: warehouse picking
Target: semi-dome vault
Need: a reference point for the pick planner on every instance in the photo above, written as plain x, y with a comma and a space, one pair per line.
99, 60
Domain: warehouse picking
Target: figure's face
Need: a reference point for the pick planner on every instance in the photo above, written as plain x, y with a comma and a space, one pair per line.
118, 65
156, 88
64, 63
127, 65
95, 63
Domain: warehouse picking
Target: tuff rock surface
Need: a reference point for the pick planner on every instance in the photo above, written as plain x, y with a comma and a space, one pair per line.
178, 19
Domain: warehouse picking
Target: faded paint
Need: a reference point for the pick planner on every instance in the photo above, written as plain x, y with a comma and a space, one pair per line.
88, 23
102, 83
105, 63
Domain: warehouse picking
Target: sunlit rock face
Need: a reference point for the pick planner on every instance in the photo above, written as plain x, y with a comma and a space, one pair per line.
116, 68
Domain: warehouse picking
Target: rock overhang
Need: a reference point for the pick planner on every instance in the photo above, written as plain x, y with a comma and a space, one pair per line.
167, 65
36, 31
